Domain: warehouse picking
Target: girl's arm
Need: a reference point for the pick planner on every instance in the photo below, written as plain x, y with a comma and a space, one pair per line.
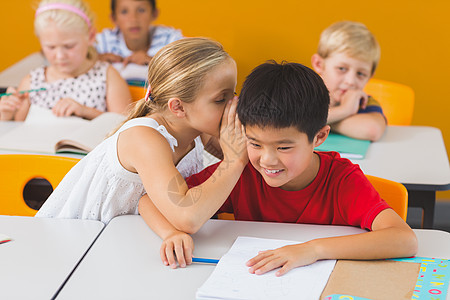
118, 95
149, 154
177, 245
391, 237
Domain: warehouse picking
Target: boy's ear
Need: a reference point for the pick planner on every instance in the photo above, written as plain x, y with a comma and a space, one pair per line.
112, 17
317, 63
321, 136
155, 13
175, 105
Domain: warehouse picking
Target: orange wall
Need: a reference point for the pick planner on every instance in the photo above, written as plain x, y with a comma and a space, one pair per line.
414, 37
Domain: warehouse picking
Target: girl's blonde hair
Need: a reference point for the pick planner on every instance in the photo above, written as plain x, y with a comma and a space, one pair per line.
351, 38
65, 19
177, 71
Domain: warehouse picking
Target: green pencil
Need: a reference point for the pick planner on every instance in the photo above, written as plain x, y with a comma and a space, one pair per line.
23, 92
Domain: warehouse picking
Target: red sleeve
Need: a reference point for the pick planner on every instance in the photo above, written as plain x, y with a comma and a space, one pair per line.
360, 203
199, 178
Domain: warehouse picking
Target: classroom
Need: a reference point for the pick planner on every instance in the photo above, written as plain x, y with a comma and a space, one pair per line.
413, 37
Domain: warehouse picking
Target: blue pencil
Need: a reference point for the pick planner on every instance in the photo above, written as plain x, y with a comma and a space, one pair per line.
205, 260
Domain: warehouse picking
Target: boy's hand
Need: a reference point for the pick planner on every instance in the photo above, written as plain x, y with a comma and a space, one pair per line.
138, 57
177, 247
287, 257
110, 57
66, 107
352, 100
232, 134
10, 104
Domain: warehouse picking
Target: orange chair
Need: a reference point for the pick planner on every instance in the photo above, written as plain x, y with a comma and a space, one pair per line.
137, 92
394, 193
397, 100
19, 169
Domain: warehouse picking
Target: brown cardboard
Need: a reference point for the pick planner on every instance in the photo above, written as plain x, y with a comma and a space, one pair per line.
374, 279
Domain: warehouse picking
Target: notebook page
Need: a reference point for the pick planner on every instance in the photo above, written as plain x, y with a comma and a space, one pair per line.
231, 279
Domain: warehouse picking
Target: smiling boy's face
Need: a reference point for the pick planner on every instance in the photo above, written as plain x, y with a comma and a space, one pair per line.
284, 156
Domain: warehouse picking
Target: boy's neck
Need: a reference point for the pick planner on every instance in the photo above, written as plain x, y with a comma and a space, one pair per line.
138, 44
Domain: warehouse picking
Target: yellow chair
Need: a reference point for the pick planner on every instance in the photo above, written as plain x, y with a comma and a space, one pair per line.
137, 92
394, 193
397, 100
19, 169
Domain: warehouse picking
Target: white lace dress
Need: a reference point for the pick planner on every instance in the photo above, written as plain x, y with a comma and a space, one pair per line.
99, 188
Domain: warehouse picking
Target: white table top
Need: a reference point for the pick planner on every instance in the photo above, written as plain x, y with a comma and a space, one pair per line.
42, 254
124, 262
413, 155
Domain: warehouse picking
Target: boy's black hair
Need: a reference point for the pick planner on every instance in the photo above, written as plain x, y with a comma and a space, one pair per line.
284, 95
114, 4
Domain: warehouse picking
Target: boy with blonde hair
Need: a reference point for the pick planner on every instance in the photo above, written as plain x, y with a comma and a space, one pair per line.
346, 58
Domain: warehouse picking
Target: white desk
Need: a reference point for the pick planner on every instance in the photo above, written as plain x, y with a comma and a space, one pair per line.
124, 262
42, 255
416, 157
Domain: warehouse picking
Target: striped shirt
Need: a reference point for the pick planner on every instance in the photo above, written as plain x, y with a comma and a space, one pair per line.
112, 41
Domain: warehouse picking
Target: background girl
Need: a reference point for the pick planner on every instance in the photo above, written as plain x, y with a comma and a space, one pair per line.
75, 82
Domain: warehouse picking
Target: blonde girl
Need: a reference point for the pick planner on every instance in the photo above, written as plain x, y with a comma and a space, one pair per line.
74, 82
189, 101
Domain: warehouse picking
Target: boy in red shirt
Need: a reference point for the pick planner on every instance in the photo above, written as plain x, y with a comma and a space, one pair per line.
284, 110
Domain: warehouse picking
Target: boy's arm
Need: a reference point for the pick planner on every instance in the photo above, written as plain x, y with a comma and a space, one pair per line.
391, 237
364, 126
177, 245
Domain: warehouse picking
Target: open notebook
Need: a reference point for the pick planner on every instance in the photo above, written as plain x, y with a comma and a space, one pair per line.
231, 279
346, 146
43, 132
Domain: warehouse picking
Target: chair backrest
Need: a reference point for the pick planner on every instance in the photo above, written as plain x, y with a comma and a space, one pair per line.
397, 100
137, 92
18, 169
394, 193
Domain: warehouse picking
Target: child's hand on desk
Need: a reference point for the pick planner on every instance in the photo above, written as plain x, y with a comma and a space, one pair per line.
66, 107
110, 57
287, 257
10, 104
177, 247
138, 57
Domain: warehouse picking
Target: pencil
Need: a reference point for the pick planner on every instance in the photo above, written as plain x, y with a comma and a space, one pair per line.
205, 260
23, 92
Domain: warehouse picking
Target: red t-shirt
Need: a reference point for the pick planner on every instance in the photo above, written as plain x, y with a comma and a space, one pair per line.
339, 195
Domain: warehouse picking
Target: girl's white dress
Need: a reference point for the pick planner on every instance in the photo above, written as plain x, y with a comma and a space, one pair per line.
100, 188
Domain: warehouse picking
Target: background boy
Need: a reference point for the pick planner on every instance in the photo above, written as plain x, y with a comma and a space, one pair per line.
346, 59
284, 110
134, 39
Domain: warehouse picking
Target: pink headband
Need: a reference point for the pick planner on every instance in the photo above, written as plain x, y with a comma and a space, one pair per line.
63, 6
